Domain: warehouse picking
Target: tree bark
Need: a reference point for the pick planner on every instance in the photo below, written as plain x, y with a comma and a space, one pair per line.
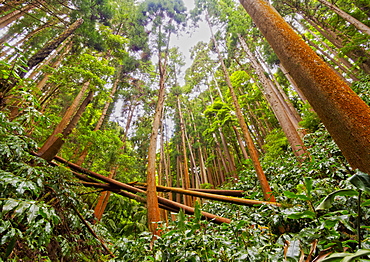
344, 114
14, 15
54, 148
189, 200
40, 55
65, 120
252, 149
152, 198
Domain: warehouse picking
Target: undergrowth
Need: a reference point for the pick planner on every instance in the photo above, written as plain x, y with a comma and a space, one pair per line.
39, 219
39, 205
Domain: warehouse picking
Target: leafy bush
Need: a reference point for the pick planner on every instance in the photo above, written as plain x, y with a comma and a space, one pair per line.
276, 144
310, 120
38, 219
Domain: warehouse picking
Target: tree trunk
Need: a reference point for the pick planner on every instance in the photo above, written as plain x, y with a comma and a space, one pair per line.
40, 55
14, 15
360, 26
189, 200
252, 149
241, 144
54, 148
65, 120
344, 114
152, 198
286, 121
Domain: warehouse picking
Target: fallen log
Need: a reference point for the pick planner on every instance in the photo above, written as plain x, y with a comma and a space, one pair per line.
114, 185
234, 200
234, 193
132, 189
99, 176
163, 202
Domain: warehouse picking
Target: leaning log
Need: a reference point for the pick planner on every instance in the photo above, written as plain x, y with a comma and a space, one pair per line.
234, 193
233, 200
163, 202
132, 189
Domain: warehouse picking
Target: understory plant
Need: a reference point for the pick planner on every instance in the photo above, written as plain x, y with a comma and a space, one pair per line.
39, 208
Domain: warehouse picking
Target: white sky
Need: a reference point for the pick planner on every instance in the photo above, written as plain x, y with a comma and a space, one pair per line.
186, 41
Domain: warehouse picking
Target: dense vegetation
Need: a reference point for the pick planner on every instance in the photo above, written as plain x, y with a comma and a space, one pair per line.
84, 85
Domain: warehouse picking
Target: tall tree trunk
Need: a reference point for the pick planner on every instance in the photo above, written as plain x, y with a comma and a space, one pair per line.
241, 144
54, 148
14, 15
252, 148
9, 5
40, 55
152, 198
289, 127
189, 200
344, 114
65, 120
360, 26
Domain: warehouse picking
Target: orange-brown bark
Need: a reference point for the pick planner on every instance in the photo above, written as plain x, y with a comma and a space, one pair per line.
344, 114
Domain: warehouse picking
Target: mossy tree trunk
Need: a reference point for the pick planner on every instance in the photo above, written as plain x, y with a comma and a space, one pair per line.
344, 114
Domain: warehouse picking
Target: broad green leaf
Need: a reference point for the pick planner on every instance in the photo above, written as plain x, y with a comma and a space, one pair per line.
336, 257
359, 253
293, 195
10, 204
366, 203
294, 249
361, 181
308, 181
304, 214
347, 257
329, 199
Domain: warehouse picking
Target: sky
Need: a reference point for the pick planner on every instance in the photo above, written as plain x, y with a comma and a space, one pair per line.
186, 41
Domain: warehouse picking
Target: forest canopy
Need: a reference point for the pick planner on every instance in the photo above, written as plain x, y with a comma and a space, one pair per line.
113, 147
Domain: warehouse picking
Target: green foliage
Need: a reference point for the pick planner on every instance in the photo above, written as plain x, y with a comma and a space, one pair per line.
276, 144
362, 88
35, 204
347, 257
124, 217
310, 120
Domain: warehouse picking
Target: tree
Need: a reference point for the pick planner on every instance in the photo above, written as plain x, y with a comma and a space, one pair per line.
360, 26
252, 149
159, 12
343, 113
